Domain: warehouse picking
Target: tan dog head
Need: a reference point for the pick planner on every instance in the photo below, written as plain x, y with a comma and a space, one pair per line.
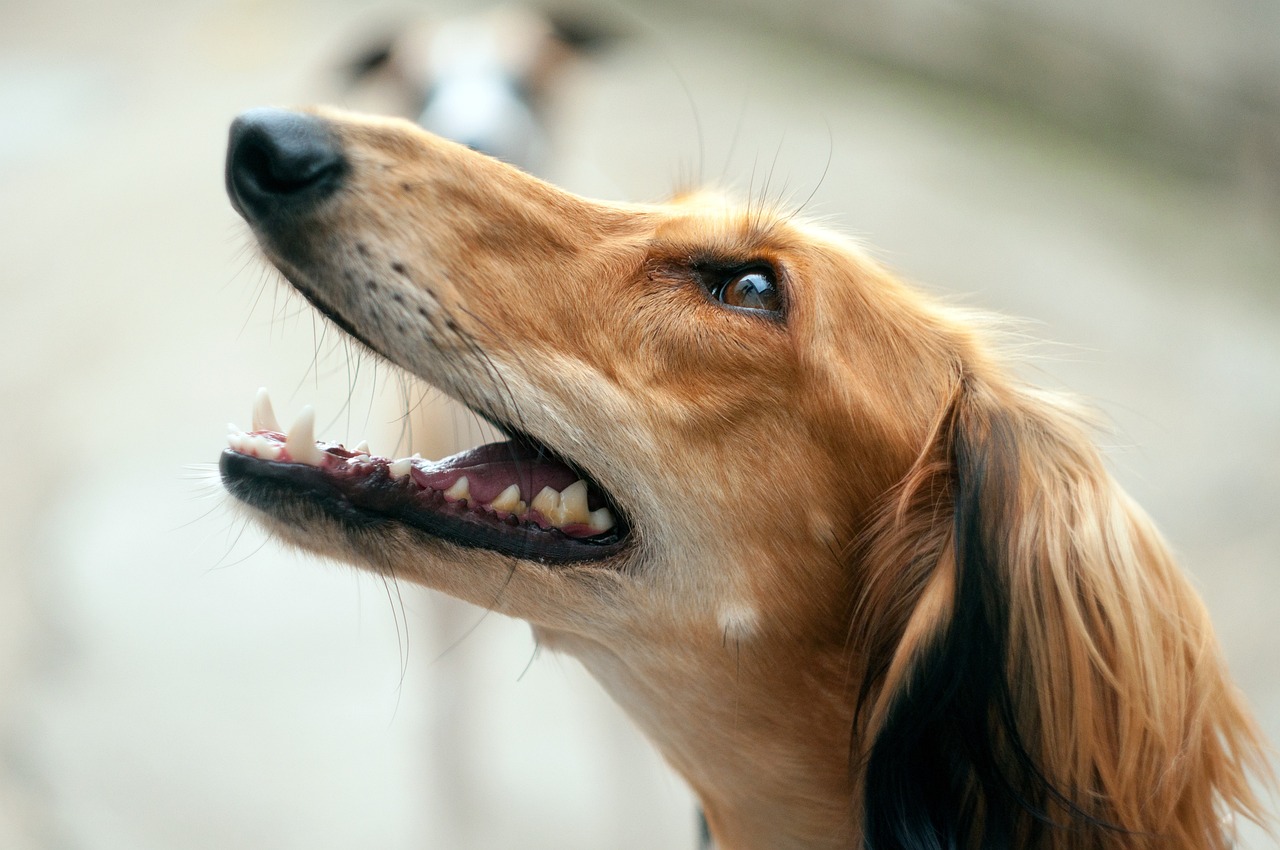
852, 579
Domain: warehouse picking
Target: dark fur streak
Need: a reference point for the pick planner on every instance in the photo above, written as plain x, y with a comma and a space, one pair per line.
934, 780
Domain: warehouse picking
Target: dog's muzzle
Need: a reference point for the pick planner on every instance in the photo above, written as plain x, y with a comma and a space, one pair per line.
281, 163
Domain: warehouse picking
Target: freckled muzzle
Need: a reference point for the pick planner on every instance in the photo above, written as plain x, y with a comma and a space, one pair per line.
517, 498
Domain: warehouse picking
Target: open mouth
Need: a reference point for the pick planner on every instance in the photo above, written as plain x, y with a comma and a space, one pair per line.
514, 497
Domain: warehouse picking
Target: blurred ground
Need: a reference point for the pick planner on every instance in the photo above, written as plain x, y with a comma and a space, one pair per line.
167, 681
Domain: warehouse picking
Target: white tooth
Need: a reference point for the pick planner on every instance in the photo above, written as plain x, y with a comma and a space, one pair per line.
508, 500
601, 520
233, 428
573, 504
265, 448
264, 418
362, 448
460, 491
401, 467
236, 442
547, 502
301, 441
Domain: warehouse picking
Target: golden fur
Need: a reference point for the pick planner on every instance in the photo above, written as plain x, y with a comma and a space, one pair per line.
853, 530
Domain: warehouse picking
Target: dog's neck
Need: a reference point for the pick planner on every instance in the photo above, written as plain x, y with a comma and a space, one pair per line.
756, 732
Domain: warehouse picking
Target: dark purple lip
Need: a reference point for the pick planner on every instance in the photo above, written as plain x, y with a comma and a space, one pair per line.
360, 491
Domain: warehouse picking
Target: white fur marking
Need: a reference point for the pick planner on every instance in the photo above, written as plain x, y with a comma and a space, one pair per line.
738, 620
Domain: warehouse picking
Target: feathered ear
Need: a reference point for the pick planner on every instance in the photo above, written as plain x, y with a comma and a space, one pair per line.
1040, 674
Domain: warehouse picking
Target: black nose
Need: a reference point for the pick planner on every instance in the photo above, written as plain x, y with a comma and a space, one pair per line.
281, 162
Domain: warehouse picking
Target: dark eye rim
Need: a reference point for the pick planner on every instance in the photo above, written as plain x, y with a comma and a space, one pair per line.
715, 277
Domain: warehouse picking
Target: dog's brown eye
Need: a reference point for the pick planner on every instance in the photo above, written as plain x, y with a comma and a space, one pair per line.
751, 290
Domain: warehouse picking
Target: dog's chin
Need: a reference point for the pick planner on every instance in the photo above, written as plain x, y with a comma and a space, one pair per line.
514, 498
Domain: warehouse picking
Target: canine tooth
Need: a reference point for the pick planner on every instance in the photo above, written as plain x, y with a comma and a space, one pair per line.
460, 491
508, 500
264, 418
401, 467
547, 502
573, 504
601, 520
300, 443
362, 448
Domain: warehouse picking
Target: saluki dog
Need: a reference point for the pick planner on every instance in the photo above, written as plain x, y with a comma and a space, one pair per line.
861, 586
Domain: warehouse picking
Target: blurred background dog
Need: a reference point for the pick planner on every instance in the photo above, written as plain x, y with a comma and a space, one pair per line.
483, 79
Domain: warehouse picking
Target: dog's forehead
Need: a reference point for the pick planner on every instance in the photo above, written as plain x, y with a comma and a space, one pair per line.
713, 227
709, 221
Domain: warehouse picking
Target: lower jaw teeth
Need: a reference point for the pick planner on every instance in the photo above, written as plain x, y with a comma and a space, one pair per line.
460, 491
508, 501
300, 442
562, 509
601, 520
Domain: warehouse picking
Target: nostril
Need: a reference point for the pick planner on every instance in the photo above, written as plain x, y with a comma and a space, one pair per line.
276, 172
282, 161
279, 161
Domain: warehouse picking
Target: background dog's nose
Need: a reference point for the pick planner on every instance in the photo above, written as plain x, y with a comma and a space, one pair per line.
280, 161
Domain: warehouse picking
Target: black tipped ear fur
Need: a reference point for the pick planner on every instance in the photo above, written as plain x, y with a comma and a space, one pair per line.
1039, 675
932, 782
951, 768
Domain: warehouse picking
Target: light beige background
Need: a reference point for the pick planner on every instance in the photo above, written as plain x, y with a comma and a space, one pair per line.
167, 680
